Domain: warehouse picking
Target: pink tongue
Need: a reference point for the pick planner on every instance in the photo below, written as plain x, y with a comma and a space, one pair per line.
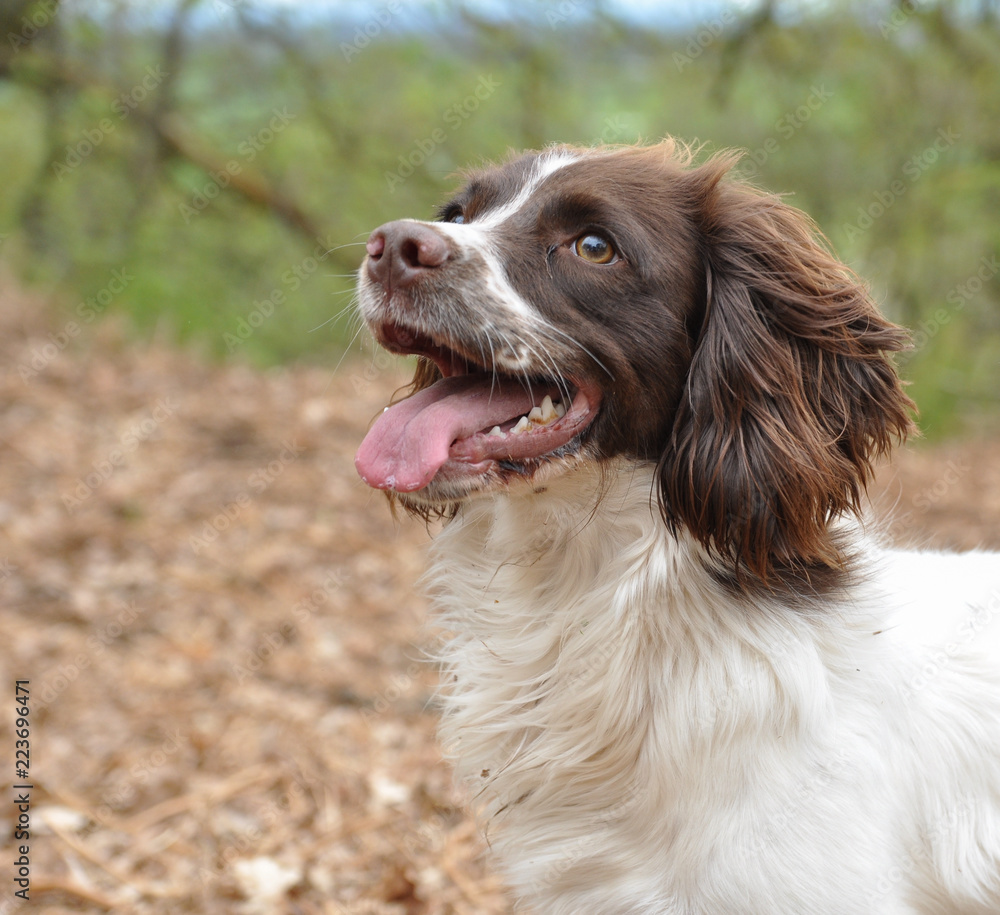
411, 440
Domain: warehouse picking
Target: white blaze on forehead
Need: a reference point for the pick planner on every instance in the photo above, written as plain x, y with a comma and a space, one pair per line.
544, 166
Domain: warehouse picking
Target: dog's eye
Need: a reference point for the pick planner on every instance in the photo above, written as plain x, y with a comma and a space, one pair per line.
456, 216
596, 249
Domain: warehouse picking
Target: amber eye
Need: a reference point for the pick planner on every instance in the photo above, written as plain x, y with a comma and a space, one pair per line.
596, 249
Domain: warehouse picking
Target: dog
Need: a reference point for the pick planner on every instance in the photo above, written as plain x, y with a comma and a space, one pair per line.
684, 675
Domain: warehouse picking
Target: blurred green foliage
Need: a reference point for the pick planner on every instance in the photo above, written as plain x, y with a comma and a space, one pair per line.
226, 160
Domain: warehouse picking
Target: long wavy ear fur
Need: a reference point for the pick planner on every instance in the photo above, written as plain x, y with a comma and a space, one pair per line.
790, 395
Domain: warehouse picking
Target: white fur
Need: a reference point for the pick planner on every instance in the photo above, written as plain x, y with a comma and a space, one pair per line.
638, 739
548, 163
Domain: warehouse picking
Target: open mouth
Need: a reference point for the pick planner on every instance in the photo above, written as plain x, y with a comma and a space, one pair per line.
472, 420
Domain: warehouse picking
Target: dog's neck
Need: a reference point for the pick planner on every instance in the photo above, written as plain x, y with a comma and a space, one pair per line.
583, 637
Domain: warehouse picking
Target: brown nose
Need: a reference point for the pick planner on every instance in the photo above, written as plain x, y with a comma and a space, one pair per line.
401, 252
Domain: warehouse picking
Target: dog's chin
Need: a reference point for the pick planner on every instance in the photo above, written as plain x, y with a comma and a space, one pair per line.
454, 485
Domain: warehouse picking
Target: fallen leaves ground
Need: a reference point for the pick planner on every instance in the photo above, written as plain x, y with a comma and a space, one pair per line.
223, 639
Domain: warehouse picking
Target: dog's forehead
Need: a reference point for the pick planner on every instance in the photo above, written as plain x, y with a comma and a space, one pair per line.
495, 194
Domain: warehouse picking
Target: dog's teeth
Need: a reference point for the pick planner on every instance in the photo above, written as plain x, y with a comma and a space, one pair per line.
496, 430
542, 415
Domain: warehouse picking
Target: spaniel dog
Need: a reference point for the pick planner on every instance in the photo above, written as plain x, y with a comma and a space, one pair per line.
681, 675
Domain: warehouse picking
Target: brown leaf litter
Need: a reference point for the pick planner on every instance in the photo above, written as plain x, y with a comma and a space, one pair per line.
223, 639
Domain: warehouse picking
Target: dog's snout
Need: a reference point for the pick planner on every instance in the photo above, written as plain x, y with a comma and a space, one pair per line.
400, 252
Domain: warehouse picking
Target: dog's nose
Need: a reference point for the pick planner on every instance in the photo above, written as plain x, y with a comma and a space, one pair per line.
400, 252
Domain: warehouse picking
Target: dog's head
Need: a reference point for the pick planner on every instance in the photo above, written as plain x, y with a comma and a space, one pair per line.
632, 305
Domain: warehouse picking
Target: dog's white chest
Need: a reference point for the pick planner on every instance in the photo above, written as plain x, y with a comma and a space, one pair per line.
636, 741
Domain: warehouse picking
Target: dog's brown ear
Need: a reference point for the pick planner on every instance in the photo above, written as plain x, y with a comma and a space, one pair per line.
790, 395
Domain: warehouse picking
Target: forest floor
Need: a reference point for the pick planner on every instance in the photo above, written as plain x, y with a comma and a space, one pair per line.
222, 637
